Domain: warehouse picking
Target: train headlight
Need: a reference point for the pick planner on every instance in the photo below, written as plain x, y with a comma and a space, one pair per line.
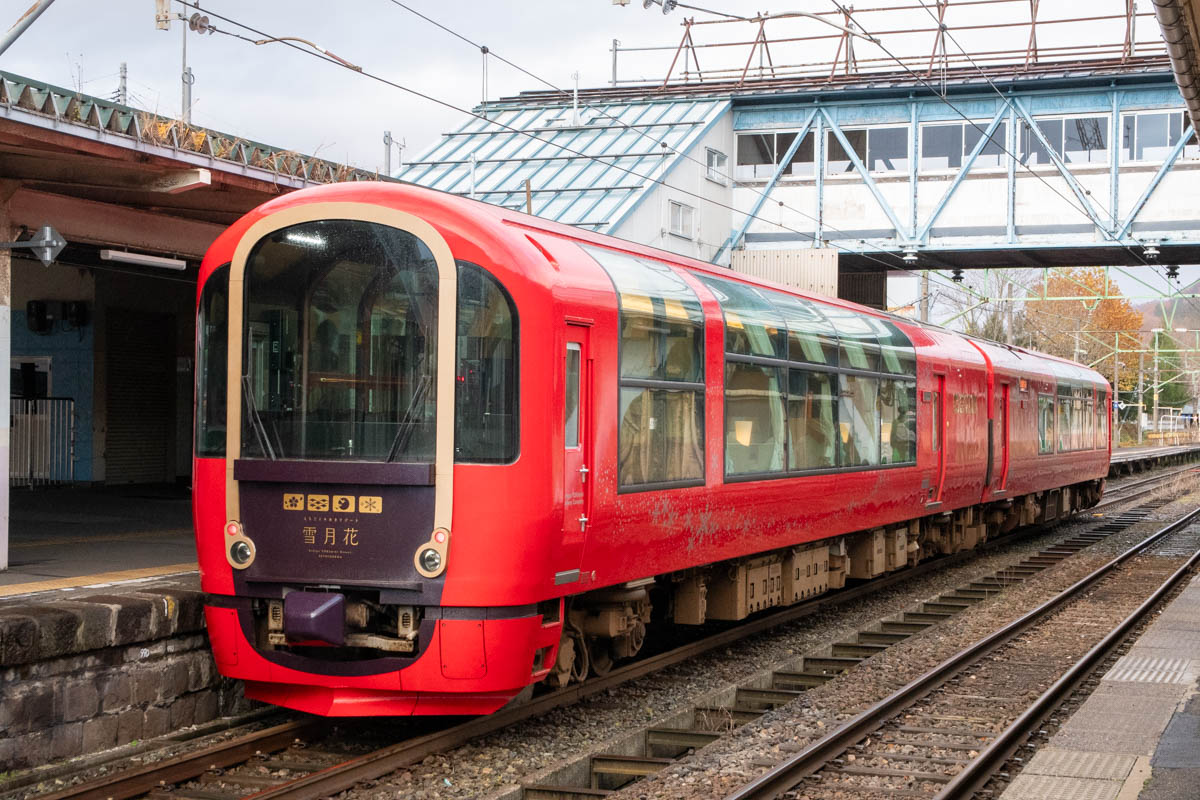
431, 559
239, 551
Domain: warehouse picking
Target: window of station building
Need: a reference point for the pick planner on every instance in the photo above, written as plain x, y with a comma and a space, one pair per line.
879, 149
212, 364
681, 219
947, 145
715, 165
1075, 140
1151, 135
485, 387
788, 369
759, 155
661, 434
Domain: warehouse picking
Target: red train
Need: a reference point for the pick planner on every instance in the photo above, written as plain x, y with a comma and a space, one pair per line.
445, 451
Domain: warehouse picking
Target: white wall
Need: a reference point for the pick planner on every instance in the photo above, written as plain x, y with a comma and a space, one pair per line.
648, 224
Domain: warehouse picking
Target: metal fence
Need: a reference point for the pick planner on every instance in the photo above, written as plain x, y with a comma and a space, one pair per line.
42, 448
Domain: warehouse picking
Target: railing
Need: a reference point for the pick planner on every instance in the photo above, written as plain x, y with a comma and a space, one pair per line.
42, 446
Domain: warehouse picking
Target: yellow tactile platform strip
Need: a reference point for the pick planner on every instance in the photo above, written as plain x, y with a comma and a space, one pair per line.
101, 578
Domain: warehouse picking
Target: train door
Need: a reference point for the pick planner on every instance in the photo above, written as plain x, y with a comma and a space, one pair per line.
577, 450
937, 436
1005, 406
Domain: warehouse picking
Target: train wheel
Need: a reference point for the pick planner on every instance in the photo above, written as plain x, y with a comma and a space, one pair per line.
600, 654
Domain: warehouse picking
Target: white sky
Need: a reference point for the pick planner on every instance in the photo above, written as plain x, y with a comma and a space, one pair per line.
276, 95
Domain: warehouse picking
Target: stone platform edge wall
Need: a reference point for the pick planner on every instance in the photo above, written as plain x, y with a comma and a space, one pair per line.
83, 675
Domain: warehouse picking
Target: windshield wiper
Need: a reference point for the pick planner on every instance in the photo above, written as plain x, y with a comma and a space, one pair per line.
260, 431
408, 423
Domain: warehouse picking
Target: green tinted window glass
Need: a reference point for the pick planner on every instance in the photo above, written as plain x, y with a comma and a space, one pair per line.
858, 343
858, 420
810, 336
812, 430
896, 352
662, 324
898, 421
753, 327
754, 429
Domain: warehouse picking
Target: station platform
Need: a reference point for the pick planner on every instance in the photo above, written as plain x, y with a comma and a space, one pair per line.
73, 537
1127, 460
1138, 734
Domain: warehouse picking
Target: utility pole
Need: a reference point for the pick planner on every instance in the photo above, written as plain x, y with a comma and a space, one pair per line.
1140, 392
616, 43
1155, 417
123, 87
387, 153
924, 295
1115, 411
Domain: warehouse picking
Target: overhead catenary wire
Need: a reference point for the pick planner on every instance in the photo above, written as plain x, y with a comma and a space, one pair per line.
900, 266
531, 135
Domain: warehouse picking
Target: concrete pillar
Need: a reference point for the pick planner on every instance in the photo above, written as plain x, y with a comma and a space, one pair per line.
6, 235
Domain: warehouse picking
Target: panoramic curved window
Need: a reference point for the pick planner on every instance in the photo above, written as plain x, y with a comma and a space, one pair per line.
485, 385
661, 436
340, 344
212, 364
810, 386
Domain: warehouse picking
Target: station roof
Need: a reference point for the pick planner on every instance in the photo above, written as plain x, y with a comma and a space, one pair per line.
107, 174
587, 168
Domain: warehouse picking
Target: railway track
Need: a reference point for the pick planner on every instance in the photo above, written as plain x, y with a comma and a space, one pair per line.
946, 733
283, 761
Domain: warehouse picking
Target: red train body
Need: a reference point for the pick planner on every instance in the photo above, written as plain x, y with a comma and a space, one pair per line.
423, 423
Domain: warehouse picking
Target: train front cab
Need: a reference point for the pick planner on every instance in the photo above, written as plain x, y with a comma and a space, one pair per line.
352, 335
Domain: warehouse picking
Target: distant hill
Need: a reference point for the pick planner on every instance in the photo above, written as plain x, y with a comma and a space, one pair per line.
1186, 312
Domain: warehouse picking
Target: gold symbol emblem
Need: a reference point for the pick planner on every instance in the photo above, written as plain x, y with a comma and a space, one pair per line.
343, 503
293, 502
318, 502
370, 505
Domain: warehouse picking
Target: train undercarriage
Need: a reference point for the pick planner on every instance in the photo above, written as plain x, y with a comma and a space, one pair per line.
608, 625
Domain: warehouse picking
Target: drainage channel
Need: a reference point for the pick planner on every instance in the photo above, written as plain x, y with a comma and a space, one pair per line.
660, 747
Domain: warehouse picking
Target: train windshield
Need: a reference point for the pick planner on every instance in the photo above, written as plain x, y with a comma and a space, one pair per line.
340, 343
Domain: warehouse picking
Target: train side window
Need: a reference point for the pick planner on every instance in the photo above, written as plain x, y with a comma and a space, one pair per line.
1045, 423
753, 326
858, 419
935, 429
1064, 424
571, 402
212, 364
485, 387
812, 426
896, 351
661, 435
897, 421
754, 428
810, 337
858, 344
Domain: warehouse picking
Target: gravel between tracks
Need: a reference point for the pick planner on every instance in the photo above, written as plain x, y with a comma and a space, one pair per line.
502, 760
719, 769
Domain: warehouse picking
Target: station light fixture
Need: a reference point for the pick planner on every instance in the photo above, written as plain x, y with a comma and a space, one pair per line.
143, 259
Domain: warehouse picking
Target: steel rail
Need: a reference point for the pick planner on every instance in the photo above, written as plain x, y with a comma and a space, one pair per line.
978, 772
815, 756
139, 781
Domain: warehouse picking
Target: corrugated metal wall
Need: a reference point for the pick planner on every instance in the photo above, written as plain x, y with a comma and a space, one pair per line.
811, 269
867, 288
140, 391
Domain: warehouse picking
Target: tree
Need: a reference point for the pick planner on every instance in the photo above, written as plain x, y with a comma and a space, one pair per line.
1086, 330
